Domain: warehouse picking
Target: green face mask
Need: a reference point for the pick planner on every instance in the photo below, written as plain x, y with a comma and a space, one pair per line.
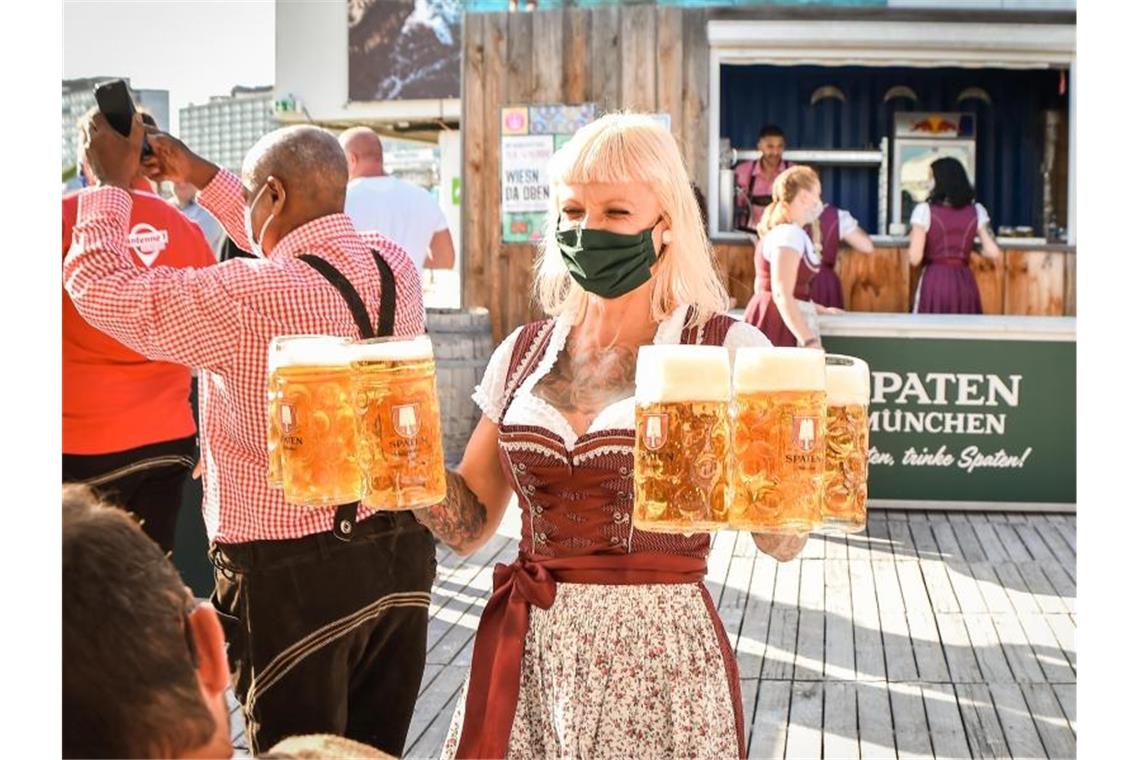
607, 264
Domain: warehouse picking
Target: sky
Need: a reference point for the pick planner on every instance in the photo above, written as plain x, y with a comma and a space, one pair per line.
193, 48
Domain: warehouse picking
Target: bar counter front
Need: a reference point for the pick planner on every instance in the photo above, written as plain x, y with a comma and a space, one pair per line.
968, 412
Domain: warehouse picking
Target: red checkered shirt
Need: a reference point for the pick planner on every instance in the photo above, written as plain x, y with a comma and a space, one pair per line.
220, 319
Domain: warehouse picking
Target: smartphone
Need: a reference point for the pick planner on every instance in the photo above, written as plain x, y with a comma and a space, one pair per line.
115, 102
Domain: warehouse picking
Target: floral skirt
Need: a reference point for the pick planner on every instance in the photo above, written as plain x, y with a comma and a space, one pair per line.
620, 671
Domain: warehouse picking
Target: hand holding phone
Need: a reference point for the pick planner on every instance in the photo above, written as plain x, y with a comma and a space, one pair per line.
115, 102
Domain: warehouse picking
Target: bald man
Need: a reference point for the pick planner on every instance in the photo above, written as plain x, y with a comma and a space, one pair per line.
324, 607
404, 212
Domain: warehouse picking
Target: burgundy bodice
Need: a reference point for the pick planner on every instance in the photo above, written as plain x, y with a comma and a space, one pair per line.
950, 238
824, 234
579, 500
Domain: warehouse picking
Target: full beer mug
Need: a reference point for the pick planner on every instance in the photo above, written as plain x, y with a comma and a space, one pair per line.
778, 439
848, 441
399, 440
316, 422
681, 454
278, 347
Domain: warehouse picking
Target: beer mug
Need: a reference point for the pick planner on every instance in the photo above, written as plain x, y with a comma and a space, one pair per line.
778, 439
277, 349
317, 425
399, 440
848, 440
680, 466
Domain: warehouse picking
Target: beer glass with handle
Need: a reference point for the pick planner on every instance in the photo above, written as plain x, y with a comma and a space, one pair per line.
680, 470
778, 439
317, 422
848, 440
278, 348
399, 436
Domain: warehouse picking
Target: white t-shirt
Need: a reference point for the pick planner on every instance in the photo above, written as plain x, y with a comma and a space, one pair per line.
921, 215
397, 209
529, 409
788, 236
846, 222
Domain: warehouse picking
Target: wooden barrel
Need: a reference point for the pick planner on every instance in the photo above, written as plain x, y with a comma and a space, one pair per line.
461, 341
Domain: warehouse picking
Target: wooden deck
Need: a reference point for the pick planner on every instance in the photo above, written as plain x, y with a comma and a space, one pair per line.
933, 634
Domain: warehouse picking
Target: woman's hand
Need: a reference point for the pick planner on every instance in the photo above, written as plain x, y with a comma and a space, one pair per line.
780, 546
828, 309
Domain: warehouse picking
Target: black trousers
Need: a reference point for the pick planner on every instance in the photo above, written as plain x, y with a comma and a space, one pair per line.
146, 481
328, 636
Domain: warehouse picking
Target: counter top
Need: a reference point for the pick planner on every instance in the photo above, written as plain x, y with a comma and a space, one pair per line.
968, 326
901, 241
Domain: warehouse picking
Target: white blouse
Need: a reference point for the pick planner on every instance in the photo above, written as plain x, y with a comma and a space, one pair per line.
921, 215
788, 236
529, 409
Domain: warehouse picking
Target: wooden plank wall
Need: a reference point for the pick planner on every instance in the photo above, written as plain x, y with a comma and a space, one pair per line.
1037, 283
655, 59
639, 57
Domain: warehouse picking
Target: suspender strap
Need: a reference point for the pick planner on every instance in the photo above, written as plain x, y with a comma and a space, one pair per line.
347, 292
387, 318
387, 324
345, 519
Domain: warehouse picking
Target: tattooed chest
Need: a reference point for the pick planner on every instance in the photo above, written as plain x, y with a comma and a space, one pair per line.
582, 383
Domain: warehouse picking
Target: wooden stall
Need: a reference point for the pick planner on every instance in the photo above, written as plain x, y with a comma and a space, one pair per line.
641, 57
656, 59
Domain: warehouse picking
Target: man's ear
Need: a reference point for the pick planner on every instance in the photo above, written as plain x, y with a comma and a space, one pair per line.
276, 194
210, 646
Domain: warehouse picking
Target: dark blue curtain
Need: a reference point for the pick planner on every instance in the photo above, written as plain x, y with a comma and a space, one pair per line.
1010, 131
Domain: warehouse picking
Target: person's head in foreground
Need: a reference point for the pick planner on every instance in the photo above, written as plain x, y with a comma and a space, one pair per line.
144, 668
795, 199
622, 217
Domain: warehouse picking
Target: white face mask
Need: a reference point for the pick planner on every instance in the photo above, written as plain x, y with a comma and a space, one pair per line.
815, 212
255, 243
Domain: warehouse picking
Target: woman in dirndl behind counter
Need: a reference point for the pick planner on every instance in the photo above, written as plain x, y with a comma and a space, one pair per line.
601, 639
942, 232
787, 262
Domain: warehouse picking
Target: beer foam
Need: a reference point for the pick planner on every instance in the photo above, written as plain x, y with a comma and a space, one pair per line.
766, 368
307, 351
848, 380
390, 350
682, 373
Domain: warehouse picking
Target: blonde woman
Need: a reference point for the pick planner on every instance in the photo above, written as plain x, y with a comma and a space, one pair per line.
787, 261
599, 640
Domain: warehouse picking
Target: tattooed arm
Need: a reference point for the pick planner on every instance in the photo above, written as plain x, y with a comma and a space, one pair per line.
477, 495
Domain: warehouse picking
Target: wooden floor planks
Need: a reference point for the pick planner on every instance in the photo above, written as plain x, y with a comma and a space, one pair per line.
931, 635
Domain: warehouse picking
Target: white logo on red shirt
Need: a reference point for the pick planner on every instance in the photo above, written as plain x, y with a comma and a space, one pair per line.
147, 242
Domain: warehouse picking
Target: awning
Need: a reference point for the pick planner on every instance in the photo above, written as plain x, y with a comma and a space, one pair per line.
892, 43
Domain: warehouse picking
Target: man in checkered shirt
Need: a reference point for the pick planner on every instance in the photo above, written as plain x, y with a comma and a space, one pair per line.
325, 609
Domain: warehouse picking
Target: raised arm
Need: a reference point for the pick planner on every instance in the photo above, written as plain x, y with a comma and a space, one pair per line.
220, 190
179, 315
477, 495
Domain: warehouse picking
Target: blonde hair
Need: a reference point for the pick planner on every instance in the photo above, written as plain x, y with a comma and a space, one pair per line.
629, 147
787, 186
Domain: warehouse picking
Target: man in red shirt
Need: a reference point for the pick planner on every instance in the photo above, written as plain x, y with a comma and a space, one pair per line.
324, 607
128, 430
